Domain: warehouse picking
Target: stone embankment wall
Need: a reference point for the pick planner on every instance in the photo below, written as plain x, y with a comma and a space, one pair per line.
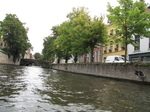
5, 60
119, 71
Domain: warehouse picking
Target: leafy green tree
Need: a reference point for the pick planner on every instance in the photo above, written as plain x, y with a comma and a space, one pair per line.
130, 18
49, 51
1, 29
15, 36
87, 32
77, 36
78, 19
63, 42
69, 40
96, 34
38, 56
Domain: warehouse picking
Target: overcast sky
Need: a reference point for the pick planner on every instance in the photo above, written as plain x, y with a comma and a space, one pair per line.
41, 15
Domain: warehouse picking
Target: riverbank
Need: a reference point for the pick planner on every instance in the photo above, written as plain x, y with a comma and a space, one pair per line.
4, 59
133, 72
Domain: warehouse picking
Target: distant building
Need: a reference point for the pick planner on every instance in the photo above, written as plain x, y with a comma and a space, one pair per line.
29, 55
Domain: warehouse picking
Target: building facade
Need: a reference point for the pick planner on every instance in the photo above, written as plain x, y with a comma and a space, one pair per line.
113, 48
2, 44
140, 52
98, 54
28, 55
4, 59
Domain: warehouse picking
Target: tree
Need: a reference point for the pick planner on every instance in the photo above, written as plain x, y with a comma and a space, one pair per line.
130, 18
96, 34
87, 32
69, 42
1, 33
78, 18
77, 36
49, 51
63, 42
15, 36
38, 56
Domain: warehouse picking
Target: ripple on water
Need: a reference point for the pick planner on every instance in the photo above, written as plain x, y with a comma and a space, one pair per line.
35, 89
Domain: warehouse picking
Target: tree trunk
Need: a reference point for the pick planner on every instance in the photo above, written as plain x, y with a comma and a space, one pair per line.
76, 58
126, 50
92, 52
58, 61
66, 59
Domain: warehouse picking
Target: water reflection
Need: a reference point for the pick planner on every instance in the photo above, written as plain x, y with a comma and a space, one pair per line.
34, 89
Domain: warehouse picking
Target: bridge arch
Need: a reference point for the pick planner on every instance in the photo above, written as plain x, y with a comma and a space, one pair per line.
27, 62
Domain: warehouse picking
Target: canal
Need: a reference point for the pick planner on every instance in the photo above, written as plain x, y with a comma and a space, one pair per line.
35, 89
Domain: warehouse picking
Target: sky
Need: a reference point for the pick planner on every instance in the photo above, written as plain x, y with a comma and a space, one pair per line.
41, 15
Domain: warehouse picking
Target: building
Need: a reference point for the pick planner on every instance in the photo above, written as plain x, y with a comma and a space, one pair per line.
84, 58
71, 60
98, 54
2, 44
3, 57
28, 55
141, 52
113, 48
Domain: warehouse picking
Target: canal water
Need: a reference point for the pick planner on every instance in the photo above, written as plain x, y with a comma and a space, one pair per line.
35, 89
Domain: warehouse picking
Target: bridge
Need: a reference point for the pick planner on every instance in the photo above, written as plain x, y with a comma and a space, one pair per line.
29, 62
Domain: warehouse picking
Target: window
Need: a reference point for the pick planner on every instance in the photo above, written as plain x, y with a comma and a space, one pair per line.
105, 51
117, 46
146, 59
5, 44
123, 46
100, 55
96, 56
116, 59
111, 47
137, 42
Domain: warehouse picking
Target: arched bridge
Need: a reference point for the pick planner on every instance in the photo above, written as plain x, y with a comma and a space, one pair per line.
28, 62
